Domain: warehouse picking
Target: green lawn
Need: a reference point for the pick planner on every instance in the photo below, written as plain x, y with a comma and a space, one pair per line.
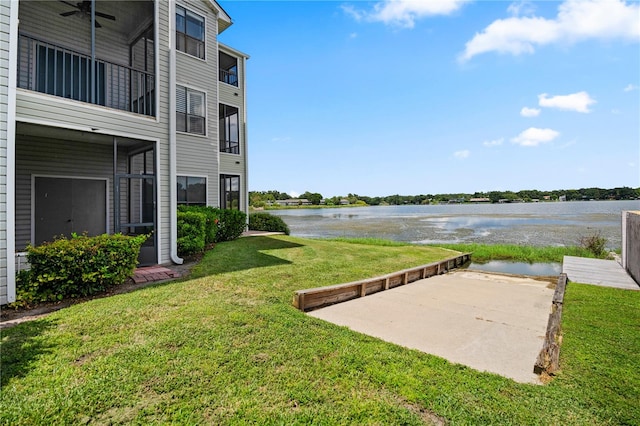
521, 253
227, 347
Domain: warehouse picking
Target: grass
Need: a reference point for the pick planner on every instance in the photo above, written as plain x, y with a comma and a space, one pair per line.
227, 347
531, 254
601, 328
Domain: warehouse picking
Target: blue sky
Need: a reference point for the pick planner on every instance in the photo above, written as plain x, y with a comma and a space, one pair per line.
427, 97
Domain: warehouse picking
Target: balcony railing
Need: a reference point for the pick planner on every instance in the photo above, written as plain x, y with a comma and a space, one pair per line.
229, 77
231, 147
47, 68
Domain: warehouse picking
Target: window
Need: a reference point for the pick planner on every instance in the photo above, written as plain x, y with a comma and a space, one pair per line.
192, 191
228, 69
230, 192
190, 108
189, 32
229, 132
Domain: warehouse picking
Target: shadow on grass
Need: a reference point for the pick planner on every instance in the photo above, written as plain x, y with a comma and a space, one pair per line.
22, 345
242, 254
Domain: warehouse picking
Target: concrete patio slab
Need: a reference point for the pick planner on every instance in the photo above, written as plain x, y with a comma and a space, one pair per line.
490, 322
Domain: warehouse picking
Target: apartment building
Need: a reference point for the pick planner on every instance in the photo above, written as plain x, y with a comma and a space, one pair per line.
112, 113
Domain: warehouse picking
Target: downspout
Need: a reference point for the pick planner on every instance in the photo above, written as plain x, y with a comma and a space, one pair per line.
173, 197
11, 152
218, 201
246, 136
93, 51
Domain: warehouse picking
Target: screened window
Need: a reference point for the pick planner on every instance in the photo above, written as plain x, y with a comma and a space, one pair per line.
229, 129
228, 69
192, 190
189, 32
230, 192
190, 111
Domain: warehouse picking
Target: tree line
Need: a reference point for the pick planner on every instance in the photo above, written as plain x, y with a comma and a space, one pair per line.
263, 198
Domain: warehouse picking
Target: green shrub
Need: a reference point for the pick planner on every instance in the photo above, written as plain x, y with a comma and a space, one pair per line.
79, 266
220, 224
212, 219
267, 222
191, 232
595, 243
232, 224
27, 291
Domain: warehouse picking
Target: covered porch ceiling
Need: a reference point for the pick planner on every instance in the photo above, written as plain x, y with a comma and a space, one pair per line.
60, 133
131, 16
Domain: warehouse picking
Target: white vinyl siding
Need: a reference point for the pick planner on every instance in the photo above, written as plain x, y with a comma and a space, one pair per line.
4, 101
198, 155
195, 155
33, 107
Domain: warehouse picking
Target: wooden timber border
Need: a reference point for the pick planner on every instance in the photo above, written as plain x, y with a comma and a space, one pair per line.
314, 298
548, 361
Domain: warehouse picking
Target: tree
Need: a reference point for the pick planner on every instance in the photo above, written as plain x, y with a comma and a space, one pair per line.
313, 197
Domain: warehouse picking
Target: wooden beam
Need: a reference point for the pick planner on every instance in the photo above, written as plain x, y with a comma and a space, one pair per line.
314, 298
548, 361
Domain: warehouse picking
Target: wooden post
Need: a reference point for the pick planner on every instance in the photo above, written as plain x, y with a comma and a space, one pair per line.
549, 358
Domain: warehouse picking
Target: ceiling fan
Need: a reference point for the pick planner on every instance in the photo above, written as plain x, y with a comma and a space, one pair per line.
84, 8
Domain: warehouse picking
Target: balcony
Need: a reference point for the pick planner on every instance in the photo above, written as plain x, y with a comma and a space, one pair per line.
106, 60
228, 72
47, 68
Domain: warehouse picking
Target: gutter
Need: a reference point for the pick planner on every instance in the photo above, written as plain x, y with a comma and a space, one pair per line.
173, 197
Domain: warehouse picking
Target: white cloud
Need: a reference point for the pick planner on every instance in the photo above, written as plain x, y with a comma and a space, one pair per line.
496, 142
576, 20
353, 35
465, 153
578, 102
534, 136
529, 112
294, 194
403, 13
630, 88
520, 8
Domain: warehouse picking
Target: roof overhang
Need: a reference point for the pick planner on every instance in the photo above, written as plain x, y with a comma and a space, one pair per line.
224, 20
232, 51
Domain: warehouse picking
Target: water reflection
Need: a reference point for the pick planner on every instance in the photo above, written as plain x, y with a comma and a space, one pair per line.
518, 268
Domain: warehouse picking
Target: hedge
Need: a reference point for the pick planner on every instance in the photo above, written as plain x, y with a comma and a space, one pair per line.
267, 222
191, 232
79, 266
201, 226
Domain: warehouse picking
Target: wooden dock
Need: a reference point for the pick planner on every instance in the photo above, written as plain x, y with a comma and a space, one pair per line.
607, 273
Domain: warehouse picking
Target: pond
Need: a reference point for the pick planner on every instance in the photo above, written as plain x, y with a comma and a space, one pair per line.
518, 268
536, 224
